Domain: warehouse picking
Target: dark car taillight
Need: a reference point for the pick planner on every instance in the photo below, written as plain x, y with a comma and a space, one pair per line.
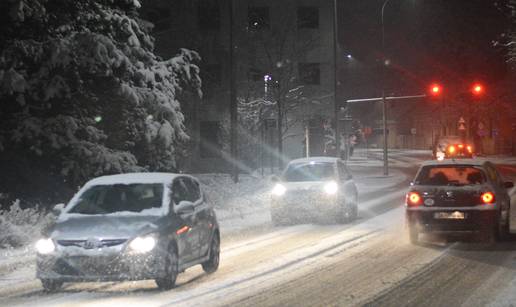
413, 199
487, 198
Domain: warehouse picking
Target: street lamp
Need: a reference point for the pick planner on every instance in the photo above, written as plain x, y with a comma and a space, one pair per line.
382, 73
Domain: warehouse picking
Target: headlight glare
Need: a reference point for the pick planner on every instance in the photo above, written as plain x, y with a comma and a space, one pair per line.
279, 189
142, 244
331, 188
45, 246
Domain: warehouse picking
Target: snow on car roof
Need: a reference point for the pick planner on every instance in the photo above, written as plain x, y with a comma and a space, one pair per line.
475, 162
134, 178
315, 159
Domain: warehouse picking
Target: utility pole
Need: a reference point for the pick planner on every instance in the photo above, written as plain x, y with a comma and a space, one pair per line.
335, 102
233, 101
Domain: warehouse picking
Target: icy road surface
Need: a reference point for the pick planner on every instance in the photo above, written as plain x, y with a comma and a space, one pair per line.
368, 262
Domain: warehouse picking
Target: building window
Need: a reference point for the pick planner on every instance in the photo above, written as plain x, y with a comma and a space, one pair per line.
209, 15
210, 145
309, 73
258, 18
307, 17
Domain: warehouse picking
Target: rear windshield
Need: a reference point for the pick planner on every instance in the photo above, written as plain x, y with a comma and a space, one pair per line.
106, 199
313, 171
450, 175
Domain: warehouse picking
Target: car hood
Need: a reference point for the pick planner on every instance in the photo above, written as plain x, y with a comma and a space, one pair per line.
103, 227
305, 185
302, 188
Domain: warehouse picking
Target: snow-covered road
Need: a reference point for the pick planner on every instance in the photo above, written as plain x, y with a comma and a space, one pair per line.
367, 262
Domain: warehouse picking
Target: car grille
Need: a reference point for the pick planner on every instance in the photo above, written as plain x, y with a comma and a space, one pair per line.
84, 243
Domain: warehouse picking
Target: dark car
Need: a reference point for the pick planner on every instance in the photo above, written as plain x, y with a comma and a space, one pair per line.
315, 187
463, 195
130, 227
458, 151
452, 146
441, 143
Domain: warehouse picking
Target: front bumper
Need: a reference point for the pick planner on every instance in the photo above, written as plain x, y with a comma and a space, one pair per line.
317, 205
477, 218
100, 265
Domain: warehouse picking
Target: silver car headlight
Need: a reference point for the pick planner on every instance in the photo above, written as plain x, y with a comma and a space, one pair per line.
331, 188
279, 190
45, 246
141, 245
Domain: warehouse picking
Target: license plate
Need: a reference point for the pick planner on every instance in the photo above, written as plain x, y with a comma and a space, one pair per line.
456, 215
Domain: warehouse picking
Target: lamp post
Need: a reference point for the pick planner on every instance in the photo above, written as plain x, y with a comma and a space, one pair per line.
382, 76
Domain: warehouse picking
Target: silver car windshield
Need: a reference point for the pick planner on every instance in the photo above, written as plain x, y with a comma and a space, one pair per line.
106, 199
309, 172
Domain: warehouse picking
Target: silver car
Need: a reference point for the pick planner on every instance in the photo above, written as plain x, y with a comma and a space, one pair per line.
130, 227
315, 187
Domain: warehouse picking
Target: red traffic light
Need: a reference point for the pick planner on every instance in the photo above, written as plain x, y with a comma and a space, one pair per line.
435, 89
477, 89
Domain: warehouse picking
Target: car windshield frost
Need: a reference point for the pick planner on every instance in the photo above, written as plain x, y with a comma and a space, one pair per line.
106, 199
309, 172
450, 175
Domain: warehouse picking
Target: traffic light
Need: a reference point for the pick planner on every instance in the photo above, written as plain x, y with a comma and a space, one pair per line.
477, 89
435, 90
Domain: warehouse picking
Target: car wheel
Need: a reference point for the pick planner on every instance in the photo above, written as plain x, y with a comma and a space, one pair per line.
276, 219
212, 264
502, 233
488, 234
51, 285
355, 209
171, 270
413, 234
345, 214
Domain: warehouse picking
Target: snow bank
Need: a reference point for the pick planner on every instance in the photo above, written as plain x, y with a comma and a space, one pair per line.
238, 205
19, 227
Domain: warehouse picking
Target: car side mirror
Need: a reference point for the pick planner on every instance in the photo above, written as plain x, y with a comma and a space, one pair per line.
58, 209
508, 184
185, 207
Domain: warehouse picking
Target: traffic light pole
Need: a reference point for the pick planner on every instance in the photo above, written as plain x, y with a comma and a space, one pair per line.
384, 117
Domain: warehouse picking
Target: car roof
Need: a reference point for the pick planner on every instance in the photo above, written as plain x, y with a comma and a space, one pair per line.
315, 159
131, 178
447, 162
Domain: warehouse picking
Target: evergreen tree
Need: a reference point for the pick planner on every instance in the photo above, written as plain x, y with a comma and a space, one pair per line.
82, 93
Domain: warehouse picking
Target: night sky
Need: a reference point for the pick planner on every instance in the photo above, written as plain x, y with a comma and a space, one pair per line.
450, 41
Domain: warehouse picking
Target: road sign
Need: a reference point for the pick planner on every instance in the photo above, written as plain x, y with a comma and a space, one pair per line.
413, 131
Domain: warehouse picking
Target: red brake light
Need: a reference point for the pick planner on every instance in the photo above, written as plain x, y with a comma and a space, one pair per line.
470, 150
461, 146
487, 198
477, 89
451, 149
413, 199
435, 90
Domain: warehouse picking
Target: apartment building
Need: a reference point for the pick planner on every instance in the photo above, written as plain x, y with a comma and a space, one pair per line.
283, 52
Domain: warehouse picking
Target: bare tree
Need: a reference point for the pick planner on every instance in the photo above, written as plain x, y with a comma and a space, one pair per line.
275, 49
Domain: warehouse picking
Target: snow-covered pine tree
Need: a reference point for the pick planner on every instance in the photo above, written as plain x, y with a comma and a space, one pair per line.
83, 94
